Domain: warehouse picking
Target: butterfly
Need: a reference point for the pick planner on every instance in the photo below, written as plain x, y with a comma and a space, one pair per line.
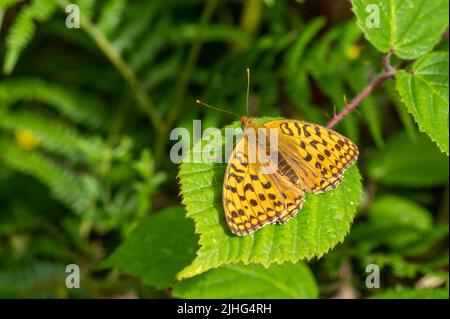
310, 159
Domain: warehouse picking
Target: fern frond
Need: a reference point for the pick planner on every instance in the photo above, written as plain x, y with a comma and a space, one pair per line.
53, 136
23, 29
20, 282
64, 184
87, 7
294, 55
164, 71
79, 108
214, 33
135, 26
111, 16
371, 114
324, 59
153, 44
299, 91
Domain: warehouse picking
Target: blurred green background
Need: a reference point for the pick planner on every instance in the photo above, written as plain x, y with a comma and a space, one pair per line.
85, 118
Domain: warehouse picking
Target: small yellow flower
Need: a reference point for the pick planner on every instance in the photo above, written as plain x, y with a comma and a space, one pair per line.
26, 140
353, 51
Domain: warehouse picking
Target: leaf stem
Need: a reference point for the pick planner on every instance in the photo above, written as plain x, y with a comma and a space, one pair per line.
389, 71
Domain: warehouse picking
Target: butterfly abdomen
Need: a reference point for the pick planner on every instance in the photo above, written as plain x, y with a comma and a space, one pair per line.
285, 169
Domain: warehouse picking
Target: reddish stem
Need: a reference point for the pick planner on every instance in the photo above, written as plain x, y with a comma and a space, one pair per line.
389, 71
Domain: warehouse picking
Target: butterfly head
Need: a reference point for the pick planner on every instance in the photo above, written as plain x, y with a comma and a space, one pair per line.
248, 123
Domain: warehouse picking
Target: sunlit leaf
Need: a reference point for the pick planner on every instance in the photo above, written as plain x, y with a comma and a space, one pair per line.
424, 91
322, 223
251, 281
410, 27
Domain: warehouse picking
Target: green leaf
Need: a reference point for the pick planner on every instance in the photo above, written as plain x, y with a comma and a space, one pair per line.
425, 94
434, 293
411, 163
410, 27
400, 219
322, 223
252, 281
390, 210
426, 241
404, 240
158, 249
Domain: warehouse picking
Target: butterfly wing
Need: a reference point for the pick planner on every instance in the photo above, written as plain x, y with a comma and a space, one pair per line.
252, 199
315, 156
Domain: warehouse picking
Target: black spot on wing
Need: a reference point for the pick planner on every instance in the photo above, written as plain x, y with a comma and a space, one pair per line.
266, 185
286, 129
248, 187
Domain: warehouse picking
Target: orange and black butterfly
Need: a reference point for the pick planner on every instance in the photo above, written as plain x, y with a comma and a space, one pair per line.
311, 159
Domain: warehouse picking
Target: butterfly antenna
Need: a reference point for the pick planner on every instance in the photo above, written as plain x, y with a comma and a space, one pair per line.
215, 108
248, 87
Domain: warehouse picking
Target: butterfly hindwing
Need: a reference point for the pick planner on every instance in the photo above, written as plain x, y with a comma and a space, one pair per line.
319, 156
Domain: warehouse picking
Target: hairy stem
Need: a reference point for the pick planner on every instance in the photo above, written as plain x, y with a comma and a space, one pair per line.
389, 71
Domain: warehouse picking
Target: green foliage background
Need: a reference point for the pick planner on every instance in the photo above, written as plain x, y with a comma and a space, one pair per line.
85, 173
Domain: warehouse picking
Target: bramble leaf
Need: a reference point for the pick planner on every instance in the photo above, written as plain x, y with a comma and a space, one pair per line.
322, 223
390, 210
425, 94
410, 28
251, 281
401, 220
160, 247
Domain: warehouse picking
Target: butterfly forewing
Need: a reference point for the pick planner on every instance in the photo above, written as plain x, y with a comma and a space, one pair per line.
252, 199
319, 156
